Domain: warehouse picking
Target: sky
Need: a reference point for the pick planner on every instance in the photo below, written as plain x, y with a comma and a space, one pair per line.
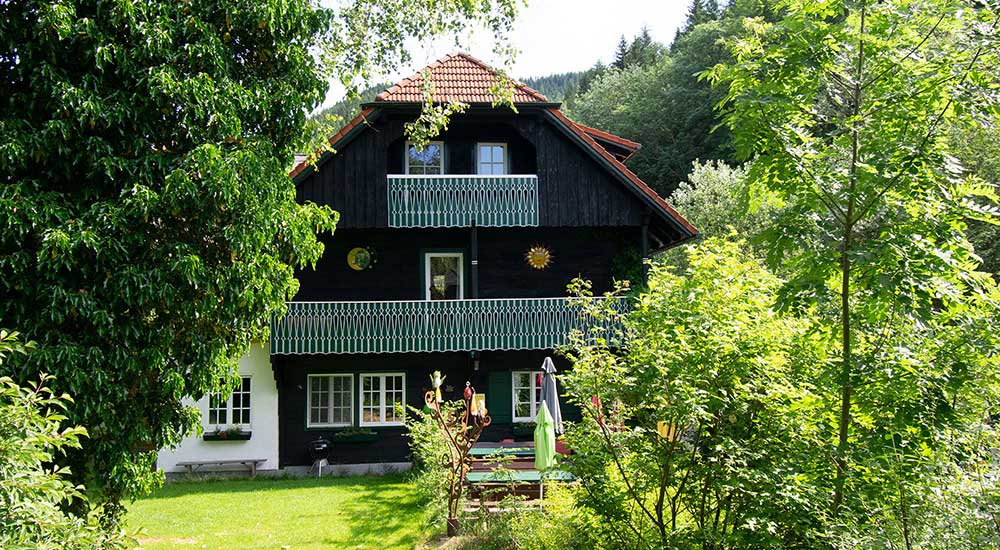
557, 36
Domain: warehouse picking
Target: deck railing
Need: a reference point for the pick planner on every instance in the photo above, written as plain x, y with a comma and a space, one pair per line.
458, 200
428, 325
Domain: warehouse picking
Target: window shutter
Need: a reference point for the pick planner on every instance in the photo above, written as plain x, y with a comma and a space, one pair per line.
499, 396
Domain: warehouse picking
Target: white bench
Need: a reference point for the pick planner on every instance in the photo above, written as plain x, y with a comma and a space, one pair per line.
252, 463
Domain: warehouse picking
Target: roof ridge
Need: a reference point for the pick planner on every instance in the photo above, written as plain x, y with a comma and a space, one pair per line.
529, 94
488, 67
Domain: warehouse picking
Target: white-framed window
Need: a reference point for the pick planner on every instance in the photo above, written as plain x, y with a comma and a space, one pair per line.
330, 400
491, 158
527, 389
444, 276
429, 160
380, 393
234, 411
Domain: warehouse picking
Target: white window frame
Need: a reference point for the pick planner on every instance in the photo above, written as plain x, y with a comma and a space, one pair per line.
350, 408
535, 388
229, 409
427, 272
382, 399
506, 158
406, 157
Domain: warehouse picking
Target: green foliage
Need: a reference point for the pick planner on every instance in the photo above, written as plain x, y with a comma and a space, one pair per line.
369, 39
430, 462
665, 107
976, 144
707, 354
149, 227
317, 127
844, 108
643, 51
34, 494
714, 198
558, 525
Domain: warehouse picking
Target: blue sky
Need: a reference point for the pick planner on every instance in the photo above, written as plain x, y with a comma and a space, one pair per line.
556, 36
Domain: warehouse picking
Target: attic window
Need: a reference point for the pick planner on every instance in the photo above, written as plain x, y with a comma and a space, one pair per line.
492, 158
429, 160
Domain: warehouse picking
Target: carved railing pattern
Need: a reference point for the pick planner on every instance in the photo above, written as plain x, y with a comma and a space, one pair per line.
430, 325
460, 200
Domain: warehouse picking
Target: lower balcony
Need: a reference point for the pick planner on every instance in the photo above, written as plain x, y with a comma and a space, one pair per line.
428, 325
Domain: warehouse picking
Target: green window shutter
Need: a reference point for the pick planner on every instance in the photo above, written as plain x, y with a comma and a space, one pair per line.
570, 412
499, 397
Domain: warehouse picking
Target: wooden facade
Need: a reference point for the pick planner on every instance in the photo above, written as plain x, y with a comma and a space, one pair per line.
574, 189
562, 191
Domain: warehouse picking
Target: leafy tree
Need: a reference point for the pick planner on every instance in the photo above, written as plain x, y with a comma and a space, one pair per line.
700, 11
844, 106
665, 107
33, 495
714, 199
149, 229
976, 144
643, 51
700, 431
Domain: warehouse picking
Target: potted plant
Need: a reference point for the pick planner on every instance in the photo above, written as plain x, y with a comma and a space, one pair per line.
355, 435
234, 433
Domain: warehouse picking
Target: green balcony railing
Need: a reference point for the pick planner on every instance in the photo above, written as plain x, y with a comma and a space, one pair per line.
460, 200
428, 326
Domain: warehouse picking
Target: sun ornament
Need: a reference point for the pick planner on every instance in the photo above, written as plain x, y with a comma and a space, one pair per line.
538, 257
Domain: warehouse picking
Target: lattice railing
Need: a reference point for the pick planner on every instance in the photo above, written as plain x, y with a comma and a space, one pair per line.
428, 326
457, 201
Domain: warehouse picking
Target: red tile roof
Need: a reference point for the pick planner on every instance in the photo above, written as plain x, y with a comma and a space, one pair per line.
618, 140
362, 117
457, 77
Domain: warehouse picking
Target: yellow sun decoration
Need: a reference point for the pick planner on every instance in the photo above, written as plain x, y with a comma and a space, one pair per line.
538, 257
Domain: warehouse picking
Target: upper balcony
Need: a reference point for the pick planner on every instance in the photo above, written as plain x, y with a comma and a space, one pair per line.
463, 200
430, 325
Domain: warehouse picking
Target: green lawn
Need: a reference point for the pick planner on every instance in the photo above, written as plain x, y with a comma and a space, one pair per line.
348, 512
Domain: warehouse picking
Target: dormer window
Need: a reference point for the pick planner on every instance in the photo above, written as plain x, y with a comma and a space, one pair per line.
429, 160
491, 158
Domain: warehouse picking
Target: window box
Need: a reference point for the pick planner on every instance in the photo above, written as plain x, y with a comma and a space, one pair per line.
227, 435
355, 436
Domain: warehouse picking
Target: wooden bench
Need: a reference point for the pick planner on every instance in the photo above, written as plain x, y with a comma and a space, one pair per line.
252, 463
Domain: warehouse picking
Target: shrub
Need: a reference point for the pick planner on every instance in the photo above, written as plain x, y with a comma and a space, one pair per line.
697, 416
33, 494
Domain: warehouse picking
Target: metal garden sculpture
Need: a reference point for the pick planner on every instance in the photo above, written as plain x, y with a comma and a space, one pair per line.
461, 428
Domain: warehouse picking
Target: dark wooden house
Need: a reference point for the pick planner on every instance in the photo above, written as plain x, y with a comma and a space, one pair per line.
454, 257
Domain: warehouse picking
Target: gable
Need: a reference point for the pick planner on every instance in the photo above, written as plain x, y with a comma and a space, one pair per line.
577, 186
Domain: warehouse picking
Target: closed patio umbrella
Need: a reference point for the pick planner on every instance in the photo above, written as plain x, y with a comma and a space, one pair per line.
550, 396
545, 440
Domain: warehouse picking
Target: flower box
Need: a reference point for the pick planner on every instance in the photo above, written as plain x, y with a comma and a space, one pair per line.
226, 436
354, 437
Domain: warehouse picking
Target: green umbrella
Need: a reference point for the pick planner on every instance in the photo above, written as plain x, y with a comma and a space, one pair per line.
545, 439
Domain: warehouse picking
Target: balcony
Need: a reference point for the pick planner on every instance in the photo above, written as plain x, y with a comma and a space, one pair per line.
427, 326
460, 200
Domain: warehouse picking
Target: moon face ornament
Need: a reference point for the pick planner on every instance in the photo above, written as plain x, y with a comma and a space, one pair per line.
359, 258
538, 257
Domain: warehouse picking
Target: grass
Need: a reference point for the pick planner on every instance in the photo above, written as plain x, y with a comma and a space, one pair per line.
359, 513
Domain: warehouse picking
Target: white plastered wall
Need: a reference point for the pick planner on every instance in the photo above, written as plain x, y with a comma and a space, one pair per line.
263, 443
